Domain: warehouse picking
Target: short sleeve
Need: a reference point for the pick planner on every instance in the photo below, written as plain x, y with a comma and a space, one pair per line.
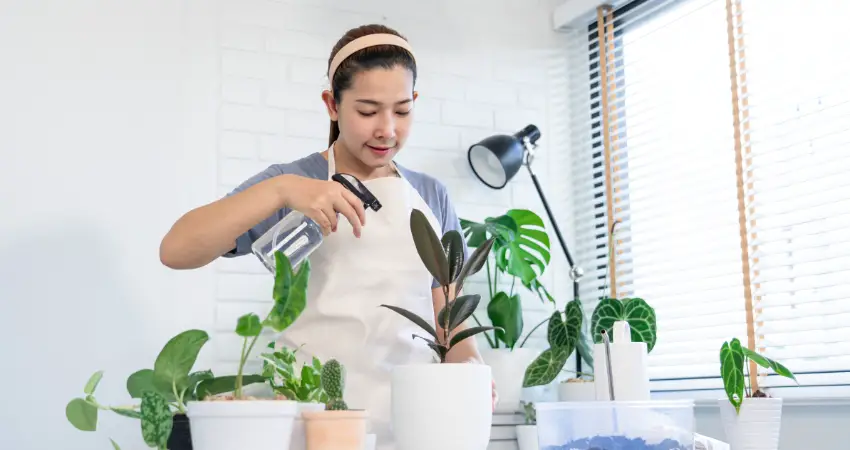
244, 241
449, 220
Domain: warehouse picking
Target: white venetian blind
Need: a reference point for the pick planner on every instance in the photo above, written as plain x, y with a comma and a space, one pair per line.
659, 78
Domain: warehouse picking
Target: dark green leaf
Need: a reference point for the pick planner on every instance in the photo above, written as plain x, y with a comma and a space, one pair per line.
768, 363
287, 309
635, 311
429, 247
453, 247
440, 349
546, 366
475, 262
282, 277
505, 312
502, 228
461, 308
468, 332
194, 379
156, 420
415, 319
249, 325
557, 333
575, 316
176, 359
221, 385
91, 385
81, 414
131, 413
732, 372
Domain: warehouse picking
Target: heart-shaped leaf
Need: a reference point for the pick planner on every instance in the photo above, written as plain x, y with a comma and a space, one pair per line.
546, 366
81, 414
287, 309
475, 263
176, 359
768, 363
415, 319
639, 315
453, 248
249, 325
505, 312
156, 420
732, 372
461, 308
429, 247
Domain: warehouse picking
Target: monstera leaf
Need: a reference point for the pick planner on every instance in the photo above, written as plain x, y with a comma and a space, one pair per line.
521, 247
635, 311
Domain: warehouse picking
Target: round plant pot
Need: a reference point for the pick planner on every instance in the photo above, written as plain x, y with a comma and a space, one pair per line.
335, 430
526, 437
577, 390
299, 436
441, 406
230, 424
756, 427
508, 368
181, 434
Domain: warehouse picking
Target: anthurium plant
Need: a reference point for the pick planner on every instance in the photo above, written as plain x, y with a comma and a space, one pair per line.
280, 371
734, 358
444, 259
520, 252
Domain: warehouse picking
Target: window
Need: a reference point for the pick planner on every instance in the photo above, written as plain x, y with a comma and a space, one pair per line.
723, 167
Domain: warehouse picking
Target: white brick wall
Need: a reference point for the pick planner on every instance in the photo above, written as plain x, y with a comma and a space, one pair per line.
487, 71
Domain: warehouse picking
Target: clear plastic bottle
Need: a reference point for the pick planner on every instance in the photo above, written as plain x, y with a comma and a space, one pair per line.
297, 235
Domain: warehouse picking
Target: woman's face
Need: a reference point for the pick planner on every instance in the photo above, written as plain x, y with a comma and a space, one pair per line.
375, 114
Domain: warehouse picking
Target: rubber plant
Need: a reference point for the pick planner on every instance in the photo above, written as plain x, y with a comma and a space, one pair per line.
521, 252
734, 358
281, 373
445, 260
290, 299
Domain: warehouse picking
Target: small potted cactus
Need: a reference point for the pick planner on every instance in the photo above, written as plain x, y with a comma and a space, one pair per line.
337, 427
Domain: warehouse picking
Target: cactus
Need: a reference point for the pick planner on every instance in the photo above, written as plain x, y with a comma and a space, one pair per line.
333, 383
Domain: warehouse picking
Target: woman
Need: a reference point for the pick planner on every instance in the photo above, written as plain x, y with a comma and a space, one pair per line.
368, 257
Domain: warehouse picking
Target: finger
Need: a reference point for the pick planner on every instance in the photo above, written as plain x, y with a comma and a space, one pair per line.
348, 211
330, 213
356, 204
320, 218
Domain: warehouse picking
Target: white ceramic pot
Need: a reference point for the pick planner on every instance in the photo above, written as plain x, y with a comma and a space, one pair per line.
299, 439
508, 372
441, 406
756, 427
254, 424
577, 391
526, 437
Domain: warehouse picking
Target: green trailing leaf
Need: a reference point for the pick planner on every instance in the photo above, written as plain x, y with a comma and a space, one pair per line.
131, 413
505, 312
732, 372
639, 315
175, 361
249, 325
429, 247
461, 308
414, 318
546, 366
288, 308
475, 263
81, 414
453, 248
468, 332
156, 420
221, 385
768, 363
91, 385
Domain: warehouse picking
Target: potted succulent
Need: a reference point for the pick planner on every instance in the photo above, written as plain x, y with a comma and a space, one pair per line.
162, 393
520, 252
751, 420
526, 434
235, 420
304, 386
426, 397
335, 427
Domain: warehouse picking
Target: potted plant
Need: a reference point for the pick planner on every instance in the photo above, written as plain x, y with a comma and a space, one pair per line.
234, 420
526, 435
427, 397
520, 252
751, 420
162, 391
304, 386
335, 427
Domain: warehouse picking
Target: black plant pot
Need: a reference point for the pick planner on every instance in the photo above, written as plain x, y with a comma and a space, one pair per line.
181, 434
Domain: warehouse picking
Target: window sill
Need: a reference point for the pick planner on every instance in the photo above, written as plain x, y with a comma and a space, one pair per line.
793, 402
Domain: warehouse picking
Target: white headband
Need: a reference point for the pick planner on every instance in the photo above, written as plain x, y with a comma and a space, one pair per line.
363, 42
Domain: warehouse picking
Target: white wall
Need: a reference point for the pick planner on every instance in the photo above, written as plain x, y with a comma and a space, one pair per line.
118, 117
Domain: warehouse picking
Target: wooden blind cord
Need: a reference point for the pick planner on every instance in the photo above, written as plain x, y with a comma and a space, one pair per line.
605, 33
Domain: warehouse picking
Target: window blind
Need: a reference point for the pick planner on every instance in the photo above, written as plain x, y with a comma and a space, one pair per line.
658, 141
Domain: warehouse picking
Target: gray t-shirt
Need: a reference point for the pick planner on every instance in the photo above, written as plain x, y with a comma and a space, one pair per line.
316, 166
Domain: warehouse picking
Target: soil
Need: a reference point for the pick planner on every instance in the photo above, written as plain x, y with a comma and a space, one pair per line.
577, 380
760, 394
231, 397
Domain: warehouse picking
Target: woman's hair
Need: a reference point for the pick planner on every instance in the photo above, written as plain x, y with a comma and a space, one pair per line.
378, 56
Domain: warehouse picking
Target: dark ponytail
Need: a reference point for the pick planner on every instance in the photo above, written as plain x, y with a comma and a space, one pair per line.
383, 56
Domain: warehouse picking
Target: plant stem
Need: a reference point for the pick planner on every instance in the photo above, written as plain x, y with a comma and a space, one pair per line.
747, 388
489, 341
532, 331
489, 280
513, 282
177, 396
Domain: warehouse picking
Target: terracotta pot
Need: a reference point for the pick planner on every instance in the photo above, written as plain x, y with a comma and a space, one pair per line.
335, 430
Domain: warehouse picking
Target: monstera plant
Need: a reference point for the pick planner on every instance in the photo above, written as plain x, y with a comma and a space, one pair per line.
520, 252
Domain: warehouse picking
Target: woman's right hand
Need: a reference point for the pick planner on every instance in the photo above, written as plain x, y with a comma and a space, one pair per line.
321, 200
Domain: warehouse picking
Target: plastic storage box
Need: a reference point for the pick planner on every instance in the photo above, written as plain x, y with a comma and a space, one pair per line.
603, 425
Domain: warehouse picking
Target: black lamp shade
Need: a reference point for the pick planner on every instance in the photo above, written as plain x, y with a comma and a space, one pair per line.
496, 159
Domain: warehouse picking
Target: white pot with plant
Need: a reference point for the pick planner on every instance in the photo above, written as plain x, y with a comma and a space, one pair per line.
526, 434
751, 420
235, 420
520, 252
446, 406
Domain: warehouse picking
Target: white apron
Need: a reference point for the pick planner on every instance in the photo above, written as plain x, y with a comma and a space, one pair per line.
350, 278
